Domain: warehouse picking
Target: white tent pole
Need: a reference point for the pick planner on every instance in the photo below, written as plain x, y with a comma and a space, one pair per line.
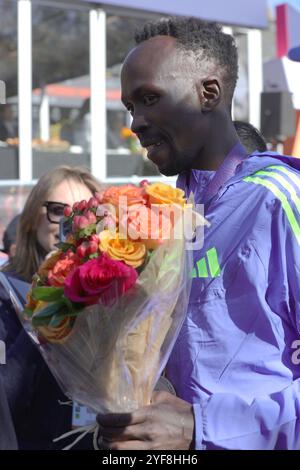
255, 74
98, 92
45, 117
25, 88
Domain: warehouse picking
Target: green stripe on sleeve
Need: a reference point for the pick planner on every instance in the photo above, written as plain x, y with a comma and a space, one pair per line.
290, 174
283, 199
285, 184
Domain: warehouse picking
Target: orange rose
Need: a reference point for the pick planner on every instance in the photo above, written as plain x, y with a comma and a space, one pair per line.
131, 252
134, 195
150, 226
49, 263
161, 193
59, 272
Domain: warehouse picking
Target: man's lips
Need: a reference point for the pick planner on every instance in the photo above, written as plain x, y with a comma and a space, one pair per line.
146, 143
152, 146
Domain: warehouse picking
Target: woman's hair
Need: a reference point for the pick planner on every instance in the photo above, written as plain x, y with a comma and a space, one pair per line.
29, 253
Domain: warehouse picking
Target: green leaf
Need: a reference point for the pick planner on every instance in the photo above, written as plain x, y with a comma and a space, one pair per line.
65, 246
94, 256
72, 307
87, 231
48, 294
56, 320
43, 317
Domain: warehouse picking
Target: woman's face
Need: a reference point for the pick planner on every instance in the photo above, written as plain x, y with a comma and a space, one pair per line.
67, 192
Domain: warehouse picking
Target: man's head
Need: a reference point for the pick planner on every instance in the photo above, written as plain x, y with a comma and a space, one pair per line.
175, 83
250, 137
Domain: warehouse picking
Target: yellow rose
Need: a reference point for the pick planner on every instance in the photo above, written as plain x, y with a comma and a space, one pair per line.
131, 252
57, 334
161, 193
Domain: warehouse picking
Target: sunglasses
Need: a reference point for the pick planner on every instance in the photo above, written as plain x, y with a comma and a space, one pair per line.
55, 211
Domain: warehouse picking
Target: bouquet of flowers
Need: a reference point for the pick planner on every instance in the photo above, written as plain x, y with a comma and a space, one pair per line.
106, 308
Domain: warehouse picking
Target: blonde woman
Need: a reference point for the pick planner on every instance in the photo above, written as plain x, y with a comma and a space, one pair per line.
38, 229
33, 394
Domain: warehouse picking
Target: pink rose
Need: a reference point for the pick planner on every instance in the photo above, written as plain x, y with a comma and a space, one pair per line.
102, 279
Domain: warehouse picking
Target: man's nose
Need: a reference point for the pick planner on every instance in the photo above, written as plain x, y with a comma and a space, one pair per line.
139, 123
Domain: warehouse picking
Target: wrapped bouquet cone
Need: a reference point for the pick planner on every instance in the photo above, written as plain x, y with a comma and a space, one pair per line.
113, 307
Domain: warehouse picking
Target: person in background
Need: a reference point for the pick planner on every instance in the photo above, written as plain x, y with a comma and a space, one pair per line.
235, 365
38, 230
77, 131
250, 137
8, 128
32, 392
10, 237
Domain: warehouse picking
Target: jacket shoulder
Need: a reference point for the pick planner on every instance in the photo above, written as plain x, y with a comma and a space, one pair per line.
280, 182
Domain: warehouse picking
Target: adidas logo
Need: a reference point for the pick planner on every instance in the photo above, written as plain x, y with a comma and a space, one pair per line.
208, 266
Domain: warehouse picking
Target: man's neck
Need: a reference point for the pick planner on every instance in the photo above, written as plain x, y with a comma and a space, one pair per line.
218, 146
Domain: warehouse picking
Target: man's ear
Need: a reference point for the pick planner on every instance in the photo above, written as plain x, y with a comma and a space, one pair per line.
209, 93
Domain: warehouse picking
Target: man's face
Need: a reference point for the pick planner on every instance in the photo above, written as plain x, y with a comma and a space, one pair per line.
159, 90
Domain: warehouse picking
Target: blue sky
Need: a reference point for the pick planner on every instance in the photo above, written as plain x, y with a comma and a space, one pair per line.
293, 3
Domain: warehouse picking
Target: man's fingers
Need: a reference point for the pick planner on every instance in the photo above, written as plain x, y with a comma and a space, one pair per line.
120, 420
135, 431
114, 419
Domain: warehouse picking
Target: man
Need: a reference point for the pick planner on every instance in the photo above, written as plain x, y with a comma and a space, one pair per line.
235, 365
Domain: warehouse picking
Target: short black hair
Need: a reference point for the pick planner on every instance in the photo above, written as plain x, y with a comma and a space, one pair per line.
204, 39
250, 137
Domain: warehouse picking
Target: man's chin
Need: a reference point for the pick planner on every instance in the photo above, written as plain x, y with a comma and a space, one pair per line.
166, 166
167, 171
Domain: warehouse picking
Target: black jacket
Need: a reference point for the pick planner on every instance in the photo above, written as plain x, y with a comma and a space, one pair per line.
8, 439
31, 390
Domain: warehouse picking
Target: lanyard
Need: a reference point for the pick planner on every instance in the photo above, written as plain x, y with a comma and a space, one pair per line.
224, 172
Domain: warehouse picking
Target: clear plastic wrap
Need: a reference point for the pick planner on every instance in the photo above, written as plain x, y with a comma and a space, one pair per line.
109, 355
114, 356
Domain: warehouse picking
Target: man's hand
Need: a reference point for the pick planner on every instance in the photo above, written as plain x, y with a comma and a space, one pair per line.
167, 423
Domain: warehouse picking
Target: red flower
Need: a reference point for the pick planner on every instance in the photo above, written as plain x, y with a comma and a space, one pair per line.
101, 279
67, 211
